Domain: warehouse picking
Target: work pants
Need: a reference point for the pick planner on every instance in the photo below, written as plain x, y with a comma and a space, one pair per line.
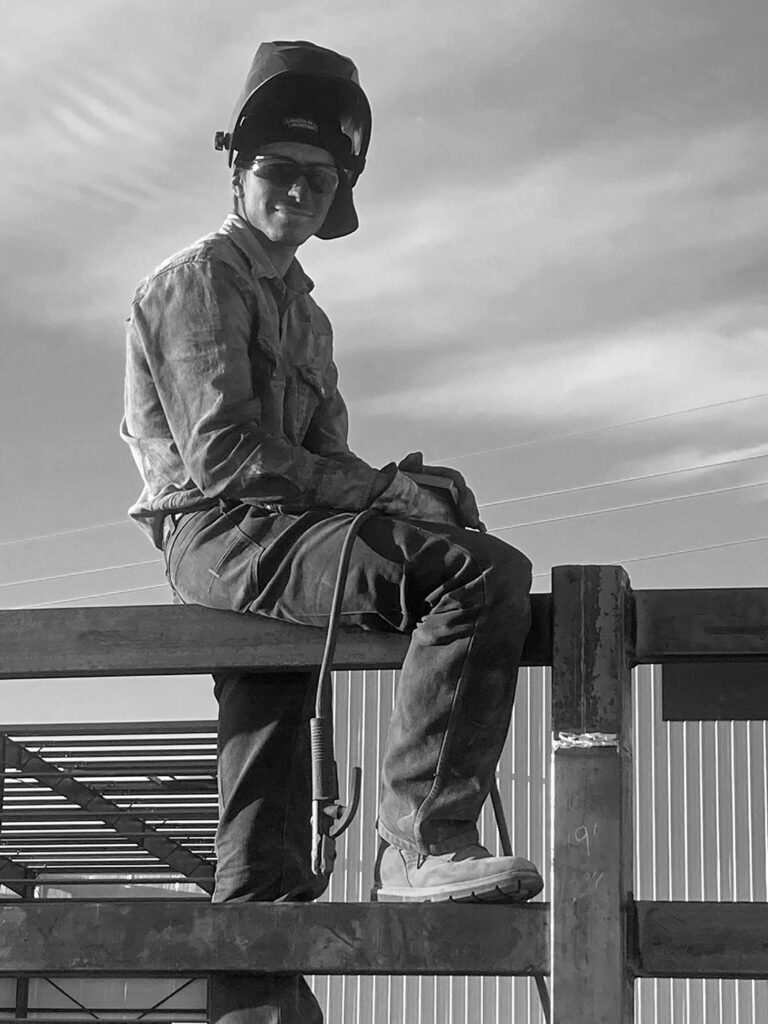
463, 598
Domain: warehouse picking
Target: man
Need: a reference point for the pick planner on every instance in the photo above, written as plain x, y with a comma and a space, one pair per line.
237, 426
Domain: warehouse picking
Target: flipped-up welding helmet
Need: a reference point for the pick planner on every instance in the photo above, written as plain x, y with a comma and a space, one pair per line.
300, 92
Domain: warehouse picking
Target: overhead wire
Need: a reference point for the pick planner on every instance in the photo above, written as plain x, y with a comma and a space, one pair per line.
679, 551
81, 572
624, 480
606, 426
622, 508
64, 533
90, 597
466, 455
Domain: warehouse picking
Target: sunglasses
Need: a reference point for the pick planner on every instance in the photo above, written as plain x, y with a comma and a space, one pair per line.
321, 178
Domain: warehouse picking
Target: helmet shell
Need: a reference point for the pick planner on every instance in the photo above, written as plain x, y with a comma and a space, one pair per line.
283, 68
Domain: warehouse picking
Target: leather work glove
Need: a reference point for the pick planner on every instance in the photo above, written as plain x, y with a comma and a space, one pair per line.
466, 512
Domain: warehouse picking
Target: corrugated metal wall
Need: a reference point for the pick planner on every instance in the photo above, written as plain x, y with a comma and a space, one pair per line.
701, 833
701, 830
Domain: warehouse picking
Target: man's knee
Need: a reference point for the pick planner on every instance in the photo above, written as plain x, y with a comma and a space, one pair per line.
507, 570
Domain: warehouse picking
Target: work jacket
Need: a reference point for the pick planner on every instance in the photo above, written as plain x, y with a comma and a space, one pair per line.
231, 390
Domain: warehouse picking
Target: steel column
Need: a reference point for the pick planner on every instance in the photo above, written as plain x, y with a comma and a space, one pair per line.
591, 866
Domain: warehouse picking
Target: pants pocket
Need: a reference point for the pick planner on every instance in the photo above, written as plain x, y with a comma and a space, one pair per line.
231, 580
211, 561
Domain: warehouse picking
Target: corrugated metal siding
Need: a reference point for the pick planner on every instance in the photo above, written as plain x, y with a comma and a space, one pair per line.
701, 822
363, 706
701, 834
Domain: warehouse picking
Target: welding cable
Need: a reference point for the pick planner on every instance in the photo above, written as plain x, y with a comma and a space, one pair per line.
325, 784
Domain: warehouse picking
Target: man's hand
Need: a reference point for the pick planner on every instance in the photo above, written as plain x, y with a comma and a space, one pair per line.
436, 506
465, 513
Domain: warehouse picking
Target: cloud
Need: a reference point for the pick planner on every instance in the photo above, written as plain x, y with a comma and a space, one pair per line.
564, 216
648, 369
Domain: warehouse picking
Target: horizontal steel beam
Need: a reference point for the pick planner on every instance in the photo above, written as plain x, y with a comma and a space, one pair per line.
715, 691
701, 940
672, 625
701, 625
168, 639
179, 937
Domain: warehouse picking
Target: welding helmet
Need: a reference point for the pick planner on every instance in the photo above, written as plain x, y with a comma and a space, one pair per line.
300, 92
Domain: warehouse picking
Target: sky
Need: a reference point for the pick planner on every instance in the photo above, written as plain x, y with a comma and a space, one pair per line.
557, 285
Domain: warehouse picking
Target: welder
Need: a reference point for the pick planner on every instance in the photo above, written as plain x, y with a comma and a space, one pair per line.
235, 420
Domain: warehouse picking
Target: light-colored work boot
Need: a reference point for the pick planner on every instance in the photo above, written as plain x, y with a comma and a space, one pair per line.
469, 875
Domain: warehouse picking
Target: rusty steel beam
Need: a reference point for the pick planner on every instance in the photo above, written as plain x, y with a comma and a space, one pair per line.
166, 639
176, 937
701, 625
166, 850
701, 940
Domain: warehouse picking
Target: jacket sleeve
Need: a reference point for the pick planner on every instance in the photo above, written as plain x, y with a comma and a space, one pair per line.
195, 324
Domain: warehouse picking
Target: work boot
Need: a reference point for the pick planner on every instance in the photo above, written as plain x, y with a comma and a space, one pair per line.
468, 875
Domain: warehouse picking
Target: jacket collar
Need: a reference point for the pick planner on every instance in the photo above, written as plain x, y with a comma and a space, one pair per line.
245, 239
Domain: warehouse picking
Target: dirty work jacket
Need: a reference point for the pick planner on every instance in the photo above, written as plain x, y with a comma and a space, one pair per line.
231, 390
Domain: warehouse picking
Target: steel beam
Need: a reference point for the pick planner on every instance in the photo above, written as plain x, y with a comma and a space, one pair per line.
177, 937
166, 850
715, 691
11, 875
165, 639
701, 940
698, 625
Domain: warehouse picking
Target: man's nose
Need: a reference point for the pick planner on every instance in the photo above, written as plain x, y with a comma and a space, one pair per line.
299, 189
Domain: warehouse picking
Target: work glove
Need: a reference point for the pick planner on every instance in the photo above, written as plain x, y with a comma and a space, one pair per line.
467, 512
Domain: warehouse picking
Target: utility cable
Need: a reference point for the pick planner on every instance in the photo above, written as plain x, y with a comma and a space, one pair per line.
81, 572
623, 508
606, 426
679, 551
90, 597
64, 533
466, 455
624, 480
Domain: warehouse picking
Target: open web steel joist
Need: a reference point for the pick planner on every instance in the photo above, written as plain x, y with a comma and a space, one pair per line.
109, 803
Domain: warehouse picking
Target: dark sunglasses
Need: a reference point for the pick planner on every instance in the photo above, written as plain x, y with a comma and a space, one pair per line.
321, 178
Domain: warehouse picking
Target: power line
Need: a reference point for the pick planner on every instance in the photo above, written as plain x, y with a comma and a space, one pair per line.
64, 533
622, 508
624, 480
92, 597
608, 426
81, 572
467, 455
679, 551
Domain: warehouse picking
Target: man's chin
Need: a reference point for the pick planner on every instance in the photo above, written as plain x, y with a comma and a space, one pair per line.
292, 228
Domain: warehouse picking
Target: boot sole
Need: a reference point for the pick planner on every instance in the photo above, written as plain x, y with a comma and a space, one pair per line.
503, 889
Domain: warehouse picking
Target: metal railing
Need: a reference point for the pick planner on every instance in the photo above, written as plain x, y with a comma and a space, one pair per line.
592, 938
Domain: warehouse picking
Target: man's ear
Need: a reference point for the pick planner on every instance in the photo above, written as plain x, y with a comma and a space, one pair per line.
237, 184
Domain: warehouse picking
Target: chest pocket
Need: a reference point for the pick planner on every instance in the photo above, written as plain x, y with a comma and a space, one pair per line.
310, 386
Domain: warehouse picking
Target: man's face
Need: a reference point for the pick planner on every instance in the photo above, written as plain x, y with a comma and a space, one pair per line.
287, 214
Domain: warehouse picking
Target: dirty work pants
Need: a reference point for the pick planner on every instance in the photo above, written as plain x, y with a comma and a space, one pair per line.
463, 597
